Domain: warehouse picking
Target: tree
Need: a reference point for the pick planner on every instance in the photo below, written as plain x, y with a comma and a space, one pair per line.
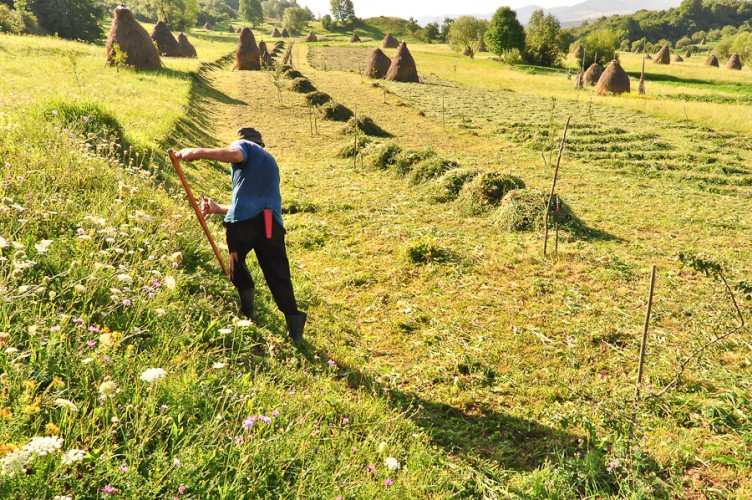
326, 22
445, 28
600, 46
72, 19
343, 11
178, 14
250, 10
683, 42
542, 39
505, 32
295, 19
431, 32
465, 33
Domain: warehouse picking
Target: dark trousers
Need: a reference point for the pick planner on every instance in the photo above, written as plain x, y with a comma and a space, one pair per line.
242, 237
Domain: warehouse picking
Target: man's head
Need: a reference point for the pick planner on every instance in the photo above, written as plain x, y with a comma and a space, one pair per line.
251, 134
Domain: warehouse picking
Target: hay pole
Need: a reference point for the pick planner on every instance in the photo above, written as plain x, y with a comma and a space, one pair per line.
553, 187
199, 215
644, 343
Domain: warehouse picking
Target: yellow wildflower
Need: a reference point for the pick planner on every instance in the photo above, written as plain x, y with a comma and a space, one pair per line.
51, 429
57, 382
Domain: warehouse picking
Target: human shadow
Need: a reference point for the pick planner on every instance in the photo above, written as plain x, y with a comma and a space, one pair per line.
513, 442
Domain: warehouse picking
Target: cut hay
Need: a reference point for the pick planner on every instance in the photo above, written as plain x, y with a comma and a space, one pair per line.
430, 169
131, 40
406, 160
292, 74
276, 33
614, 80
317, 98
734, 62
663, 56
166, 43
350, 150
378, 65
186, 47
247, 56
487, 190
389, 42
383, 156
522, 210
264, 56
592, 75
364, 125
355, 38
335, 112
285, 33
712, 60
312, 37
448, 186
302, 85
403, 67
678, 58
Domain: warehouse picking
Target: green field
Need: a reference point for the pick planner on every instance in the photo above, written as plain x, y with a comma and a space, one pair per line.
438, 336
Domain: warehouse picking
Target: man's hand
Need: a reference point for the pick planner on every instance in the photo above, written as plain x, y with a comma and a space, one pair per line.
189, 154
210, 207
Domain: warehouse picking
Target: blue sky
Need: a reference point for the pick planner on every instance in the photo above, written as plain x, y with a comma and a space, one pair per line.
429, 8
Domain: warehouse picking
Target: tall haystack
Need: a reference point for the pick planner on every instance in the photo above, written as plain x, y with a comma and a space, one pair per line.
734, 62
712, 60
132, 41
641, 86
276, 33
312, 37
264, 56
378, 65
592, 74
678, 58
166, 43
389, 42
285, 33
403, 67
355, 38
247, 55
613, 80
185, 47
663, 56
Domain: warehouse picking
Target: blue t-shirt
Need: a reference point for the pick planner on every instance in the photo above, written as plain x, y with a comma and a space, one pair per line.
255, 184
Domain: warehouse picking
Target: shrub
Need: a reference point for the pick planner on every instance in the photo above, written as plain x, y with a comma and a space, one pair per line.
302, 85
317, 98
430, 169
366, 126
404, 162
426, 250
602, 43
383, 156
449, 185
72, 19
487, 190
10, 20
326, 22
522, 210
89, 121
349, 150
335, 112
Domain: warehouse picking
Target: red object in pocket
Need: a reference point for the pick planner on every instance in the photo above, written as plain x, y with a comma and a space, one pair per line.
268, 223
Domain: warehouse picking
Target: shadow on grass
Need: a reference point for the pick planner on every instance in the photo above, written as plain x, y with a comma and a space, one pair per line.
513, 442
578, 229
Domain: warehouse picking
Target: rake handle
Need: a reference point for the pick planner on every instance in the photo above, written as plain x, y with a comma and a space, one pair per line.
181, 175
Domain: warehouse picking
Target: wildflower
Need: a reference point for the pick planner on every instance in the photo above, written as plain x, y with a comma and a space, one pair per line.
123, 468
68, 405
51, 429
249, 422
151, 375
388, 482
332, 363
218, 365
345, 420
108, 489
225, 331
14, 463
73, 456
94, 329
160, 312
11, 351
382, 447
614, 464
238, 440
43, 245
3, 243
265, 419
87, 360
176, 259
371, 469
127, 302
275, 414
170, 282
91, 344
62, 497
392, 463
79, 322
182, 489
107, 389
5, 413
42, 445
244, 323
176, 462
124, 278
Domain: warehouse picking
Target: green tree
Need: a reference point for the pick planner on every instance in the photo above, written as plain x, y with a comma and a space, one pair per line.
72, 19
178, 14
432, 32
295, 19
601, 46
542, 39
505, 32
343, 11
250, 10
326, 22
465, 33
445, 28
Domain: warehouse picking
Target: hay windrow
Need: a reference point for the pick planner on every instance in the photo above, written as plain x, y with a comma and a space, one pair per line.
336, 112
128, 38
382, 156
404, 162
350, 150
292, 74
487, 190
317, 98
447, 187
430, 169
522, 210
302, 85
365, 125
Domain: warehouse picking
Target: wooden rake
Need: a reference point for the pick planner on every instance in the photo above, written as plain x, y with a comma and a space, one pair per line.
192, 200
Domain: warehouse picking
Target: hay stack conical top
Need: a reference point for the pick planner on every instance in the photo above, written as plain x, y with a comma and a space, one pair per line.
247, 56
285, 33
389, 42
734, 62
355, 38
166, 43
276, 33
185, 47
468, 52
663, 56
378, 65
592, 74
712, 60
312, 37
264, 56
678, 58
613, 80
403, 67
132, 41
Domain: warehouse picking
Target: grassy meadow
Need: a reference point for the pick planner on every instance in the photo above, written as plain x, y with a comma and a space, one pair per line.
446, 356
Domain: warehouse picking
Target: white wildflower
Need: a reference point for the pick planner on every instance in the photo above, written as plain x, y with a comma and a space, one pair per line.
43, 246
218, 365
124, 278
3, 243
79, 289
107, 389
170, 282
151, 375
14, 463
225, 331
73, 456
43, 445
392, 463
67, 404
62, 497
160, 312
11, 351
244, 323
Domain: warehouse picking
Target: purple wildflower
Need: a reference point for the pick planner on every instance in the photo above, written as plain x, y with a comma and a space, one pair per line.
388, 482
79, 322
275, 414
249, 422
123, 468
332, 363
94, 329
182, 489
345, 420
91, 343
238, 440
108, 489
265, 419
127, 302
371, 469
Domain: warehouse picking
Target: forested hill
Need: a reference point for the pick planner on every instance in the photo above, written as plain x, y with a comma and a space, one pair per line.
692, 16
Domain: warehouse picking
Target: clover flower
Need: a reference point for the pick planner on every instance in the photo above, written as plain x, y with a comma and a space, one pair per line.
388, 482
332, 363
151, 375
108, 489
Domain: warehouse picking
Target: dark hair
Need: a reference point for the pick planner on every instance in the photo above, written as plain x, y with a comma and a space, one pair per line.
251, 134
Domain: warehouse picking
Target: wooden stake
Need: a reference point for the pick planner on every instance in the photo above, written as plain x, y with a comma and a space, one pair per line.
644, 344
553, 188
199, 216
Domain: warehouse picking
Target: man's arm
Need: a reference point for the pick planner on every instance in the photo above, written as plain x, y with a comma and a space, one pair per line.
210, 207
224, 155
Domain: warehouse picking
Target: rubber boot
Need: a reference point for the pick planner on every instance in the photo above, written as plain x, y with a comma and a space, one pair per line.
246, 304
295, 326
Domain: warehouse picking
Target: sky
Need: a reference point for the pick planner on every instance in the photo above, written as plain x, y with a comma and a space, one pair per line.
429, 8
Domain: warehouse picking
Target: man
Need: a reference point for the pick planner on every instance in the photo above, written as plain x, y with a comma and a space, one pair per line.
253, 221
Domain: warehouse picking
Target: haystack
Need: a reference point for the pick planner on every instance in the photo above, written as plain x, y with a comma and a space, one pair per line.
403, 67
265, 58
734, 62
688, 54
641, 86
185, 47
276, 33
247, 56
132, 41
678, 58
379, 64
166, 43
312, 37
389, 42
355, 38
285, 33
592, 74
663, 56
579, 81
712, 60
468, 52
614, 80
